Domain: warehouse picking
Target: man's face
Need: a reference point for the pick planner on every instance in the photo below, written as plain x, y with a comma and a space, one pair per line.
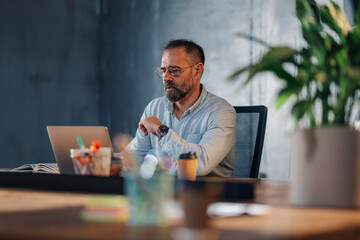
177, 87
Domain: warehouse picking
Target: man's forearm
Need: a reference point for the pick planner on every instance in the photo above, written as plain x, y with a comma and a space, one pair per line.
211, 150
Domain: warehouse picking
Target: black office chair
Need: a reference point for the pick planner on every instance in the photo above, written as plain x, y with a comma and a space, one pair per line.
251, 124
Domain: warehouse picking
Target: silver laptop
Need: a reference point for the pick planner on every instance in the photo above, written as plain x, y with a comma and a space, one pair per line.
63, 138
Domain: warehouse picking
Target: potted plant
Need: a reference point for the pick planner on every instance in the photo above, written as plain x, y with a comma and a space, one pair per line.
321, 81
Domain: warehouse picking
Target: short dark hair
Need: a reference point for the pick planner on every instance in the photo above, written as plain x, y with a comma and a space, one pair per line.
190, 47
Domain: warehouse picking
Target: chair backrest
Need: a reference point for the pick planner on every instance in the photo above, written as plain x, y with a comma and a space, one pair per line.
251, 124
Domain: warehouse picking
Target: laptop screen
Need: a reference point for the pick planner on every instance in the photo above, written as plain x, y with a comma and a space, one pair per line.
63, 138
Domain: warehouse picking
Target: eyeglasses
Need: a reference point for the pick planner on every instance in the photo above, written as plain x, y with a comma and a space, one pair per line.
174, 71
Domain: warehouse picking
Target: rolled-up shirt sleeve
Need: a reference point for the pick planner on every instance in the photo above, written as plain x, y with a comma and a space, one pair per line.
141, 144
215, 143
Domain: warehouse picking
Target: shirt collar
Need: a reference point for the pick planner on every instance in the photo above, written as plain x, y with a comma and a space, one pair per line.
203, 93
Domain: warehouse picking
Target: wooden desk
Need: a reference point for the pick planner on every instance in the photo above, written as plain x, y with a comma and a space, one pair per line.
26, 214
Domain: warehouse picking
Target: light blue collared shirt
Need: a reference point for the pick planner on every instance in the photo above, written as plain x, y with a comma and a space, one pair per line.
207, 128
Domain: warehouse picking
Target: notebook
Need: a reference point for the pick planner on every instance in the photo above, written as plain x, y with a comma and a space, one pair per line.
63, 138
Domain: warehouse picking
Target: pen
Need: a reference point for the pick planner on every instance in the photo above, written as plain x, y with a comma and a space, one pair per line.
79, 158
80, 142
95, 146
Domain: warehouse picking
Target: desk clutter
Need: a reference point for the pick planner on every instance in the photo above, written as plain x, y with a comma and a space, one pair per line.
95, 160
144, 195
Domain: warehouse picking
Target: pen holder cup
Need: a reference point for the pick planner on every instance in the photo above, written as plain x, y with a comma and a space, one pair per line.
101, 162
148, 199
80, 161
87, 163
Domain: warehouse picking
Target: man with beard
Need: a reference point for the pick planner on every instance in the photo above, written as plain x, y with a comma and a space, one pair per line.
189, 118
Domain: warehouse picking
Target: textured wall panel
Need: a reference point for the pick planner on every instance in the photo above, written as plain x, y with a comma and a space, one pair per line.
48, 72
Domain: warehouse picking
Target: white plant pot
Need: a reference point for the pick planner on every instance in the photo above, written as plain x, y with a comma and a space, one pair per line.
325, 167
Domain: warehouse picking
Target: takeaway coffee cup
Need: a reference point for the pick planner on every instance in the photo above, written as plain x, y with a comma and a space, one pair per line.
186, 164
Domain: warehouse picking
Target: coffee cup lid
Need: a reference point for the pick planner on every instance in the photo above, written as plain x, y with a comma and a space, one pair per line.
188, 155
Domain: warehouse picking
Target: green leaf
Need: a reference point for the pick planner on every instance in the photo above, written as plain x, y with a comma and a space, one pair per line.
303, 11
327, 19
283, 96
299, 109
239, 71
357, 15
252, 38
353, 41
270, 62
293, 85
276, 56
353, 74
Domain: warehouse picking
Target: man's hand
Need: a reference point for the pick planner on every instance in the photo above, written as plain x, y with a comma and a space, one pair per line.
150, 124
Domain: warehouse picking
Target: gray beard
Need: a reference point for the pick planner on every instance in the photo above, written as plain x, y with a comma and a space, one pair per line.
177, 94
